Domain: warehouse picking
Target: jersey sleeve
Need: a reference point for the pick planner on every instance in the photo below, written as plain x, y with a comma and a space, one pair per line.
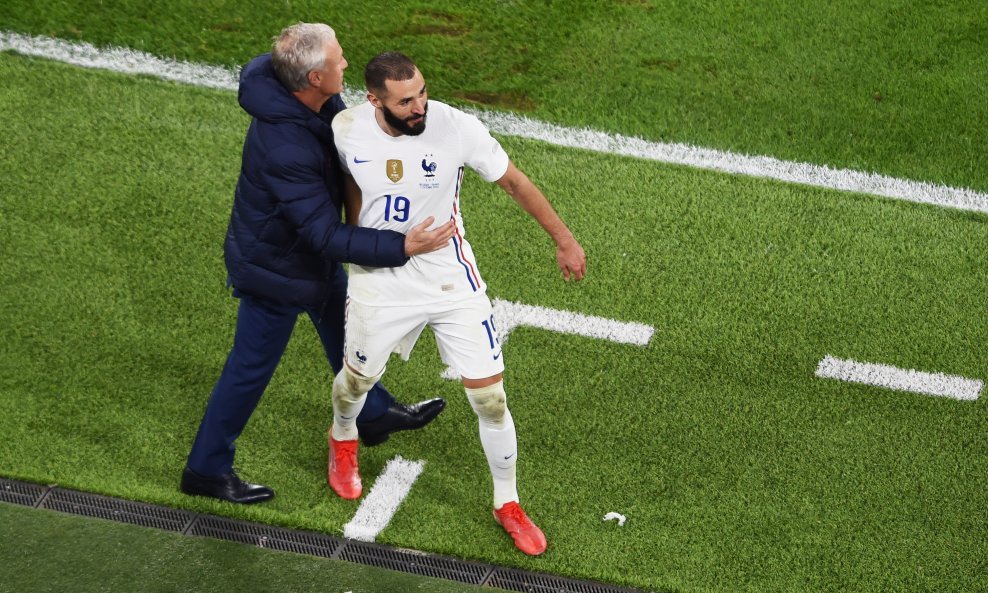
339, 137
344, 164
481, 151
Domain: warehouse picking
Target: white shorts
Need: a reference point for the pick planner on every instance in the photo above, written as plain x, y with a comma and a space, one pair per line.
464, 330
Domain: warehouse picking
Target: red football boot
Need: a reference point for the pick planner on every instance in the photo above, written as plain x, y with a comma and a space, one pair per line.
528, 537
344, 476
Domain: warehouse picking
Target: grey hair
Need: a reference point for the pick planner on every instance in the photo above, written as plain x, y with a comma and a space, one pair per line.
298, 50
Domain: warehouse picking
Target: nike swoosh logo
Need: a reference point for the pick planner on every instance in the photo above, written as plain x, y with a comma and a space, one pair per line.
507, 457
357, 161
498, 355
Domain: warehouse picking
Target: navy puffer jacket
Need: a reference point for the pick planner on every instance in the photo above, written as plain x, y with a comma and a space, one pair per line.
285, 235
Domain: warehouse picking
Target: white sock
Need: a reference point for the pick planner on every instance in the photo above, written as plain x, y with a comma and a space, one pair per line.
498, 438
349, 393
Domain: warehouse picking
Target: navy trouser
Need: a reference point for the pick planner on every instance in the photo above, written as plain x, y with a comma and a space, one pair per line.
263, 330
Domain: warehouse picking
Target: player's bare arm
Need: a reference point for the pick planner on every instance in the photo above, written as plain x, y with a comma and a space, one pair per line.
419, 240
569, 254
353, 200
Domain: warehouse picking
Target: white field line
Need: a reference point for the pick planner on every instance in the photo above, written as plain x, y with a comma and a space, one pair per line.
889, 377
738, 164
508, 315
119, 59
135, 62
378, 507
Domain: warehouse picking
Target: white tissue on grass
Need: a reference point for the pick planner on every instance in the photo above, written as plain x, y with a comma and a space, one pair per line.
620, 518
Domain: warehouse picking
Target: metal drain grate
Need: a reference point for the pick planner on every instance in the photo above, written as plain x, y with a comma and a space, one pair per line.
415, 562
125, 511
276, 538
20, 492
301, 542
517, 580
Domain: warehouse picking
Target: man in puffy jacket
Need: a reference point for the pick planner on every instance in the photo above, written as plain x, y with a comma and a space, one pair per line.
283, 251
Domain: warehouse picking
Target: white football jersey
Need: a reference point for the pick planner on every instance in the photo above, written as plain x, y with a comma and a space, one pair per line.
406, 179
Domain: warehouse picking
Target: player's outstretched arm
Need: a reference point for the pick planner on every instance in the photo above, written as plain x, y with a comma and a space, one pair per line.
569, 254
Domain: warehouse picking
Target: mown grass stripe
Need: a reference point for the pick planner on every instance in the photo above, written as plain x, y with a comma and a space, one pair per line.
130, 61
889, 377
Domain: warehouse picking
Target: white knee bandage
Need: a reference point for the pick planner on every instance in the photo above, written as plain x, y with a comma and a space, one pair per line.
349, 387
490, 403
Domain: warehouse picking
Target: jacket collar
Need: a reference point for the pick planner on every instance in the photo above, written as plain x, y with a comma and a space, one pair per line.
263, 96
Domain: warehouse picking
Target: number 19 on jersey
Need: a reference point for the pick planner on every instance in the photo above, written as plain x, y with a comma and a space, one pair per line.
396, 208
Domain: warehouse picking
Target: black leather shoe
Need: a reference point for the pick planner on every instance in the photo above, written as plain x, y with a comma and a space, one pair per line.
399, 417
226, 487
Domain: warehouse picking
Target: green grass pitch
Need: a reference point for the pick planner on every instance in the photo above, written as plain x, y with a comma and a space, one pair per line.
737, 468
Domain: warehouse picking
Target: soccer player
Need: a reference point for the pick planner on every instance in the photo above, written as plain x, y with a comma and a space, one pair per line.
284, 247
404, 156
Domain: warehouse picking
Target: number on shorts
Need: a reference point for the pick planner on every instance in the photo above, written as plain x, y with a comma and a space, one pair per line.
491, 331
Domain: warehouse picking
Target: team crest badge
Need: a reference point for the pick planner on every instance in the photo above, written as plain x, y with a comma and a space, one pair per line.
394, 170
429, 167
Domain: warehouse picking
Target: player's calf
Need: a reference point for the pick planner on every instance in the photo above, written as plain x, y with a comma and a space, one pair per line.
349, 393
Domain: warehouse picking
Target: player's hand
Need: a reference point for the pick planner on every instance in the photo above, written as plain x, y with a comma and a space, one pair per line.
572, 260
420, 240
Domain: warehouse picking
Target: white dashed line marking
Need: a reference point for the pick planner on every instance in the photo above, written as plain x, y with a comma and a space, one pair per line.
379, 506
889, 377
